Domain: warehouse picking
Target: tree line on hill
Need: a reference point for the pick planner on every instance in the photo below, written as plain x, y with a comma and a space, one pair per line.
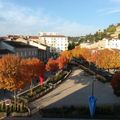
99, 35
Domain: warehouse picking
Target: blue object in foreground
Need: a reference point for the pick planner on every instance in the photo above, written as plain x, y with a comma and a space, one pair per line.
92, 105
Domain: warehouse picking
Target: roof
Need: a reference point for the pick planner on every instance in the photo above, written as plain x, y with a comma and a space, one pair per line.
52, 36
41, 49
14, 36
19, 44
33, 37
44, 45
5, 51
3, 38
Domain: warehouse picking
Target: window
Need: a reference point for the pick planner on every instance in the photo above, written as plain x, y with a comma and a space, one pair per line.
25, 54
29, 53
21, 53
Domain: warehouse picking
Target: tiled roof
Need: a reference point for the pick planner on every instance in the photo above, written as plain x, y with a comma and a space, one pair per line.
19, 44
33, 37
13, 35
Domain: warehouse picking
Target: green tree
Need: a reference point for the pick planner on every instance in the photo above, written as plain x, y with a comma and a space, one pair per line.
111, 29
119, 36
71, 46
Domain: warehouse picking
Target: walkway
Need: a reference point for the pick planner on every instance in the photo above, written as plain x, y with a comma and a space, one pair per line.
75, 91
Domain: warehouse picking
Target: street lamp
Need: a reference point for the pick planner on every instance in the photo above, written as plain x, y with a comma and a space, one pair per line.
93, 82
92, 101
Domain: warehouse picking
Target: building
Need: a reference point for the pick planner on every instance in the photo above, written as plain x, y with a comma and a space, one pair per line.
43, 50
28, 43
33, 38
5, 52
112, 43
97, 45
57, 43
21, 49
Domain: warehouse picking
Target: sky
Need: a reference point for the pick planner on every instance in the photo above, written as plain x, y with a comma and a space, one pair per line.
68, 17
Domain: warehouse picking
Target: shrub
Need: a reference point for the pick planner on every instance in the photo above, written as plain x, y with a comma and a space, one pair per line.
115, 82
105, 109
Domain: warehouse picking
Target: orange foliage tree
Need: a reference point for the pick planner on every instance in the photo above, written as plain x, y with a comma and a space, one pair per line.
16, 72
11, 75
52, 65
62, 61
86, 53
34, 67
76, 52
108, 59
66, 54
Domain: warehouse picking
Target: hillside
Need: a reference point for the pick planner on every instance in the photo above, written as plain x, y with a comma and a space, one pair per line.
113, 31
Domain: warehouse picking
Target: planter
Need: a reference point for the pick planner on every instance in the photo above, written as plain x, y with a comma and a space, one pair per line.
16, 114
47, 88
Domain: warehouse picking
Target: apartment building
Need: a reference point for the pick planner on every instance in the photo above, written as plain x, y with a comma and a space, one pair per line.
56, 42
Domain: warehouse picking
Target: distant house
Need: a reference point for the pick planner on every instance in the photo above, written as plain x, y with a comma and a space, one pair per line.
21, 49
110, 43
33, 38
14, 37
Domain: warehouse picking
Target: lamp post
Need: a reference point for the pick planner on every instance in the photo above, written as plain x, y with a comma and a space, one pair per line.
92, 101
93, 82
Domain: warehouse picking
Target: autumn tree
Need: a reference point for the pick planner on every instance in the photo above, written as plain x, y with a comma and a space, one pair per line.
86, 53
104, 59
116, 83
108, 59
11, 77
66, 54
62, 61
34, 67
76, 52
16, 72
52, 65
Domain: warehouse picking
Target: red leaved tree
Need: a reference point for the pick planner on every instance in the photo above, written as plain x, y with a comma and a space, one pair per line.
116, 83
52, 65
62, 61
